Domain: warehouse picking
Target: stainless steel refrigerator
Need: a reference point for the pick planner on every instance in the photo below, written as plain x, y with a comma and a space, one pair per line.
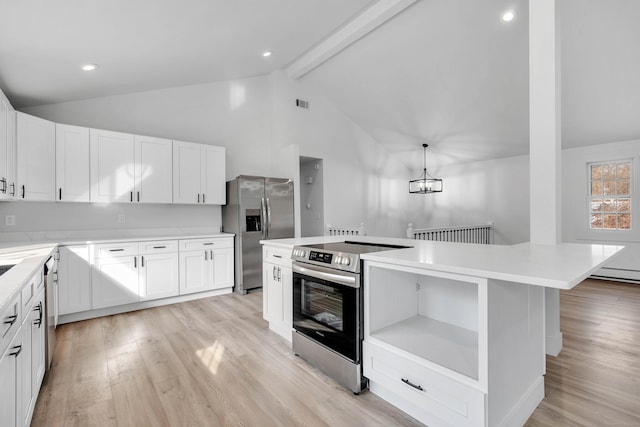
257, 208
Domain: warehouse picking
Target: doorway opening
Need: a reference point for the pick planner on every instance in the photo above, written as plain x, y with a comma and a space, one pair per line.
311, 197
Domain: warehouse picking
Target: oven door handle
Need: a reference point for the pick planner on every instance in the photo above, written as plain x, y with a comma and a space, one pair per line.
327, 274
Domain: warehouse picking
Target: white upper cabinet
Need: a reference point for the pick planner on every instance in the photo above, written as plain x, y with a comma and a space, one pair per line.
213, 184
36, 143
112, 166
72, 163
153, 166
198, 173
7, 150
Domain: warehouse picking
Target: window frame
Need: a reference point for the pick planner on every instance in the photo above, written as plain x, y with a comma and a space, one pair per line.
630, 196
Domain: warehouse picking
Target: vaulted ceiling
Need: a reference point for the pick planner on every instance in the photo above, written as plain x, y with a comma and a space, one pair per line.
446, 72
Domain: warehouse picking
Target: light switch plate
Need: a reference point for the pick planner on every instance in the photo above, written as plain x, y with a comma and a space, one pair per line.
10, 220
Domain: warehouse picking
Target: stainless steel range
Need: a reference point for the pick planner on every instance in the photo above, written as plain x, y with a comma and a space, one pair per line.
327, 308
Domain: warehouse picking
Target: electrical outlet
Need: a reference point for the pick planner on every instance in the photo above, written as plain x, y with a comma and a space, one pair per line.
121, 219
10, 220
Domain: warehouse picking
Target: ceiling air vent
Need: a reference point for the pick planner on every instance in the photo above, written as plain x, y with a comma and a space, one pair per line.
302, 104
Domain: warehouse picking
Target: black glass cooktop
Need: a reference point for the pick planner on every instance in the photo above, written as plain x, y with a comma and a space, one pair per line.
356, 248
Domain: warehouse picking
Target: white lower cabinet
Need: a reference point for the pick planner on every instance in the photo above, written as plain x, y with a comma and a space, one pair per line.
158, 276
278, 290
74, 279
115, 281
206, 264
10, 381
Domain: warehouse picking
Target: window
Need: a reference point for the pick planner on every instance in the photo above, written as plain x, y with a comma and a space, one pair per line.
610, 195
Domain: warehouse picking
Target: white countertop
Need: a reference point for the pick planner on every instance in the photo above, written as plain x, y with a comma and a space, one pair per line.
560, 266
29, 256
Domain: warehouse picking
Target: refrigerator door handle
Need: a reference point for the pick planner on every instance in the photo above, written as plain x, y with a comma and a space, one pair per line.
263, 218
268, 219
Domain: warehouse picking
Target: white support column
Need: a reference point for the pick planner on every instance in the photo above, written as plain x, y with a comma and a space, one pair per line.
544, 146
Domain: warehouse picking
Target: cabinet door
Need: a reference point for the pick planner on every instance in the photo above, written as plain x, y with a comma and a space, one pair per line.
11, 154
195, 272
213, 184
274, 293
112, 166
4, 133
36, 142
222, 260
38, 326
153, 170
158, 276
114, 281
10, 369
286, 281
72, 163
186, 172
25, 377
74, 279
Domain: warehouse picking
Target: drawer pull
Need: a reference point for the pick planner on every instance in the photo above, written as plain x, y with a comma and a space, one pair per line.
208, 244
159, 247
409, 383
116, 250
10, 320
17, 350
277, 256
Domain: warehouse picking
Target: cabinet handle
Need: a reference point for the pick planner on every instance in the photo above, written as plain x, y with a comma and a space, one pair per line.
135, 262
4, 185
39, 310
142, 261
274, 272
205, 255
279, 274
202, 197
23, 191
17, 350
10, 320
159, 247
116, 250
211, 255
138, 196
409, 383
207, 244
198, 197
13, 191
131, 196
60, 193
277, 256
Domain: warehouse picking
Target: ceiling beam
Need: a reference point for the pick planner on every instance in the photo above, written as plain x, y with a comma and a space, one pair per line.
367, 21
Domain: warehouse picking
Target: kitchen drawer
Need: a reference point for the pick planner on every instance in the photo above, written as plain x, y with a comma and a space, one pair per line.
110, 250
213, 243
279, 256
31, 289
158, 247
11, 321
433, 398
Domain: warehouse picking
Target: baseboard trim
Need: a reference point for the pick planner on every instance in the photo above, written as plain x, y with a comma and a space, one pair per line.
525, 406
108, 311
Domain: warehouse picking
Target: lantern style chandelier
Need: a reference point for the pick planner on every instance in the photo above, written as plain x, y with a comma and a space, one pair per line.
426, 183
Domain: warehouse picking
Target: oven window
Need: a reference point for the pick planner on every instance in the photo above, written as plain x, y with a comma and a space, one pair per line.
323, 303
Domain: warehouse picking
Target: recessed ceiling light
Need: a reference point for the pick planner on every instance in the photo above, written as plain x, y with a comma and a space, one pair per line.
89, 67
266, 53
508, 16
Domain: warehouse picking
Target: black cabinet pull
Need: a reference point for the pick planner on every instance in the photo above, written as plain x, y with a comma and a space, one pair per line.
205, 256
131, 196
138, 196
159, 247
39, 320
202, 197
10, 320
17, 350
60, 193
116, 250
142, 261
13, 191
4, 185
198, 197
23, 191
409, 383
135, 262
207, 244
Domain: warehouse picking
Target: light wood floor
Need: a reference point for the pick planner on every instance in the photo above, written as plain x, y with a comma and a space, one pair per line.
213, 362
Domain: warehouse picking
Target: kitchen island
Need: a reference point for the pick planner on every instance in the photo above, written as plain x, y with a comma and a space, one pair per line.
454, 333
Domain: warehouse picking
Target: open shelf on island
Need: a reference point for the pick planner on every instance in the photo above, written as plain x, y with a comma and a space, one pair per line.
447, 345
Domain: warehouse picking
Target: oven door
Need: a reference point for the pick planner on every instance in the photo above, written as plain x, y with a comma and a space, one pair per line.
327, 308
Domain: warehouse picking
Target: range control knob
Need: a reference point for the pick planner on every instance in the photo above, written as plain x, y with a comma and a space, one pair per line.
347, 261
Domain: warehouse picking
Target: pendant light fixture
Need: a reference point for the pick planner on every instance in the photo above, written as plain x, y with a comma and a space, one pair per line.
426, 183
